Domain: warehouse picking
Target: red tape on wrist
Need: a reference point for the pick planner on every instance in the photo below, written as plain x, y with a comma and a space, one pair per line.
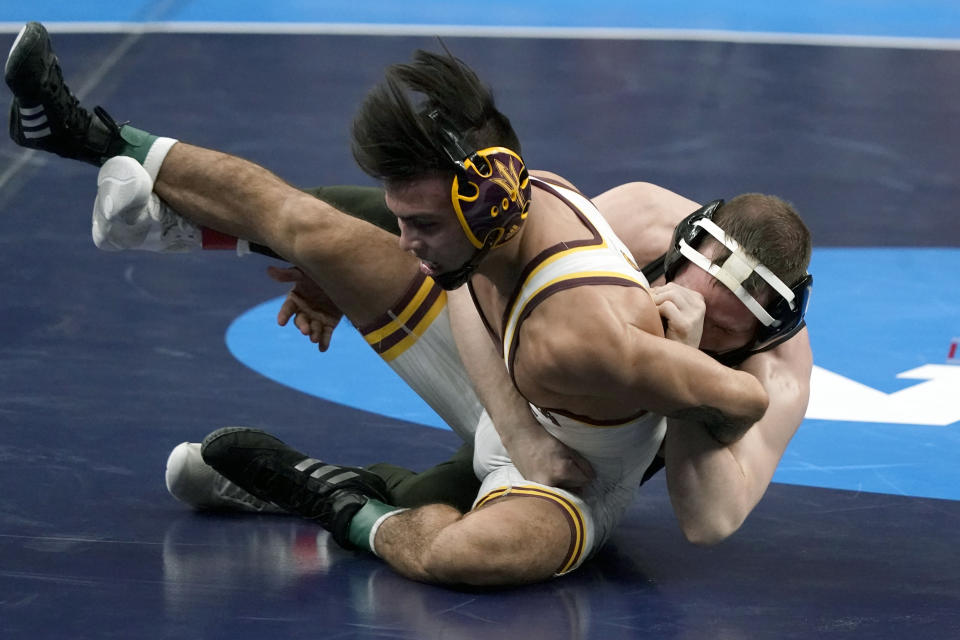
214, 240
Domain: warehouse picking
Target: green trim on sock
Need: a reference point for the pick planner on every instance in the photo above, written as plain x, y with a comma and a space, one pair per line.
362, 523
137, 143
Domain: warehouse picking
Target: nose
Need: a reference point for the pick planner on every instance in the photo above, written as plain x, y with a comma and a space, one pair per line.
409, 240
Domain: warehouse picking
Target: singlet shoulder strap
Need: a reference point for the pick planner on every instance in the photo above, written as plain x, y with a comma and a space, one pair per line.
599, 260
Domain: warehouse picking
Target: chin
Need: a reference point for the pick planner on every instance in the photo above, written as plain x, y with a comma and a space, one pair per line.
718, 348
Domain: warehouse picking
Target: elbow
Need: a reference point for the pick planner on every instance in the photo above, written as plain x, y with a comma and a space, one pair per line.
755, 400
707, 536
763, 403
728, 427
709, 529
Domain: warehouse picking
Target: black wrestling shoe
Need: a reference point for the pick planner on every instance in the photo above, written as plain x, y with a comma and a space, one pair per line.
44, 113
270, 470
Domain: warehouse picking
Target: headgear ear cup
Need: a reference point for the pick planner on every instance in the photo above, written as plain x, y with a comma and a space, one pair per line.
490, 191
490, 194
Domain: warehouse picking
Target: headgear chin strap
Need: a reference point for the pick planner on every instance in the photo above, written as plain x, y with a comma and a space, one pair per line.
456, 278
490, 195
780, 321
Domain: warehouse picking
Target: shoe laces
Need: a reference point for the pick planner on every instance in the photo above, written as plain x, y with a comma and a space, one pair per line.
296, 493
75, 117
230, 491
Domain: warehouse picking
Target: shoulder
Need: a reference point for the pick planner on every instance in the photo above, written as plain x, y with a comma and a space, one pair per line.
647, 200
643, 215
786, 367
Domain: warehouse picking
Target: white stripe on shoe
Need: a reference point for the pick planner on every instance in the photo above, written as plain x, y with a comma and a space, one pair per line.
34, 122
42, 133
31, 111
32, 117
306, 463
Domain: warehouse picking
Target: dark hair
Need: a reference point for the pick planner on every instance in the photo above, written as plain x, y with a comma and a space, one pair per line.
394, 140
770, 230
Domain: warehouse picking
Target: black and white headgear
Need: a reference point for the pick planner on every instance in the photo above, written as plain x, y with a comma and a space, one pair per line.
779, 320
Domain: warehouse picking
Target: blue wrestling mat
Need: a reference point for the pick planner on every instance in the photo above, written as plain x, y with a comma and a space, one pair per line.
110, 360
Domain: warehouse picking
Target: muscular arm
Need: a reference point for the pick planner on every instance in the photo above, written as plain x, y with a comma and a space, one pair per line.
684, 383
713, 487
623, 364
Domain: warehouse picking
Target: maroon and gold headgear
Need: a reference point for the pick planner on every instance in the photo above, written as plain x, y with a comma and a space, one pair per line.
491, 195
490, 191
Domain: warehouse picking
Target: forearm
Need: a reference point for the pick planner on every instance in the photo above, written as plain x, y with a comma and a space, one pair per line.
508, 410
628, 367
686, 384
229, 194
714, 487
723, 428
710, 490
